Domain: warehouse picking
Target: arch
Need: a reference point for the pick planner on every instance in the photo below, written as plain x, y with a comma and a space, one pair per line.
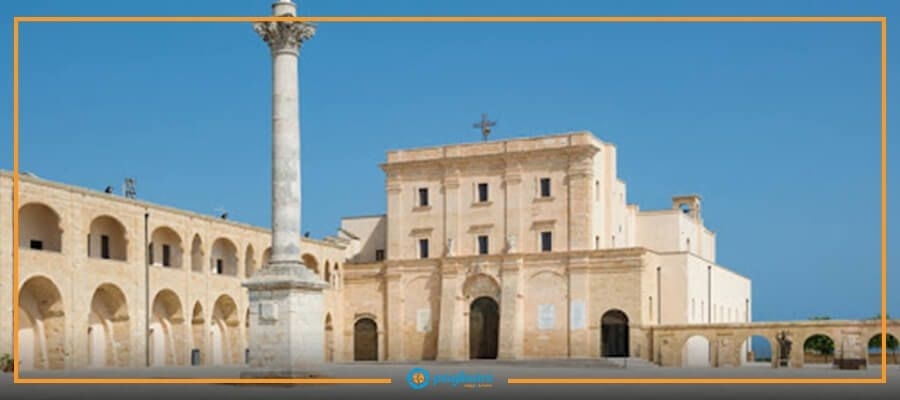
874, 349
311, 262
167, 329
107, 239
481, 285
249, 261
266, 257
696, 352
223, 257
165, 247
224, 331
197, 254
40, 228
42, 322
365, 340
328, 272
329, 338
484, 328
197, 332
818, 348
756, 350
109, 330
614, 334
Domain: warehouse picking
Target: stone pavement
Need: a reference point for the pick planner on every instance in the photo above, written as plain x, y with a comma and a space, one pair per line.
498, 371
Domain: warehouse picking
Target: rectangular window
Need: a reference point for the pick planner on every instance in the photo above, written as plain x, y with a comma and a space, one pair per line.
482, 244
482, 192
219, 266
545, 187
379, 255
167, 254
423, 197
423, 248
104, 247
150, 253
36, 245
546, 241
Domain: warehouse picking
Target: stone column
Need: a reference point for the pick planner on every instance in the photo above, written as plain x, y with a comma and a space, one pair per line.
287, 326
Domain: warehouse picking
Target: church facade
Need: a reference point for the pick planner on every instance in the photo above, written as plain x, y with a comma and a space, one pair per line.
514, 249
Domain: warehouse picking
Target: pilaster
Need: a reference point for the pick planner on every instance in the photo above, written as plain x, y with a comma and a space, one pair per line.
512, 319
579, 304
451, 314
394, 317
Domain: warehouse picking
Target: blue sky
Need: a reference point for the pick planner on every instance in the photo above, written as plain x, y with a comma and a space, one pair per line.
777, 126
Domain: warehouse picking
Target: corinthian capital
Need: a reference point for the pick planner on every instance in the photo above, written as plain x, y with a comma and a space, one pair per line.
284, 36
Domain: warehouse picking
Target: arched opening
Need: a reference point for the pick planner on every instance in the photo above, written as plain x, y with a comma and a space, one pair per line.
225, 332
614, 334
39, 228
197, 254
365, 340
167, 330
874, 347
165, 248
329, 338
484, 328
249, 261
109, 330
311, 262
198, 334
818, 349
106, 239
757, 351
328, 273
266, 258
695, 352
223, 258
42, 322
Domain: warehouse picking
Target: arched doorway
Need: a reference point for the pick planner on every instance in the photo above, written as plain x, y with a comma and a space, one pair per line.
614, 334
484, 324
365, 340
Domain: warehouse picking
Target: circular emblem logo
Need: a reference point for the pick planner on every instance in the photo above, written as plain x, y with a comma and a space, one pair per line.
417, 378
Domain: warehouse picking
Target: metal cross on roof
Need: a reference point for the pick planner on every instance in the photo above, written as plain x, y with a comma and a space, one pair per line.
485, 126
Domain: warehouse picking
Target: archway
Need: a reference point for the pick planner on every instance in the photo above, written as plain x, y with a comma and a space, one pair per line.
223, 257
249, 261
225, 331
197, 254
42, 321
311, 262
167, 330
329, 339
614, 334
695, 352
165, 248
757, 351
874, 349
197, 331
484, 328
365, 340
109, 330
107, 239
818, 349
39, 228
266, 257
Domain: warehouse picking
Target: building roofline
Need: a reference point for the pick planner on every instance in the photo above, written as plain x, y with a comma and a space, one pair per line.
33, 179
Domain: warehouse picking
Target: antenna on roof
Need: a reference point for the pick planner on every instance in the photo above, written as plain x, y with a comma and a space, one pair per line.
129, 188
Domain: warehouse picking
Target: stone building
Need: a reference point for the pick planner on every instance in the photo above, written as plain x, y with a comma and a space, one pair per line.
514, 249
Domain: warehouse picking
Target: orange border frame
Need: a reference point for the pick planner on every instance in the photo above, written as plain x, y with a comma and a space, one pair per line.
881, 20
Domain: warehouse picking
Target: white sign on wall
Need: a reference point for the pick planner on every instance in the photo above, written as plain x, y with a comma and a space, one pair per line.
423, 320
546, 316
576, 315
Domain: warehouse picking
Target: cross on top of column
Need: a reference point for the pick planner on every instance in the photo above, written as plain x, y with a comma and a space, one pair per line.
284, 36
